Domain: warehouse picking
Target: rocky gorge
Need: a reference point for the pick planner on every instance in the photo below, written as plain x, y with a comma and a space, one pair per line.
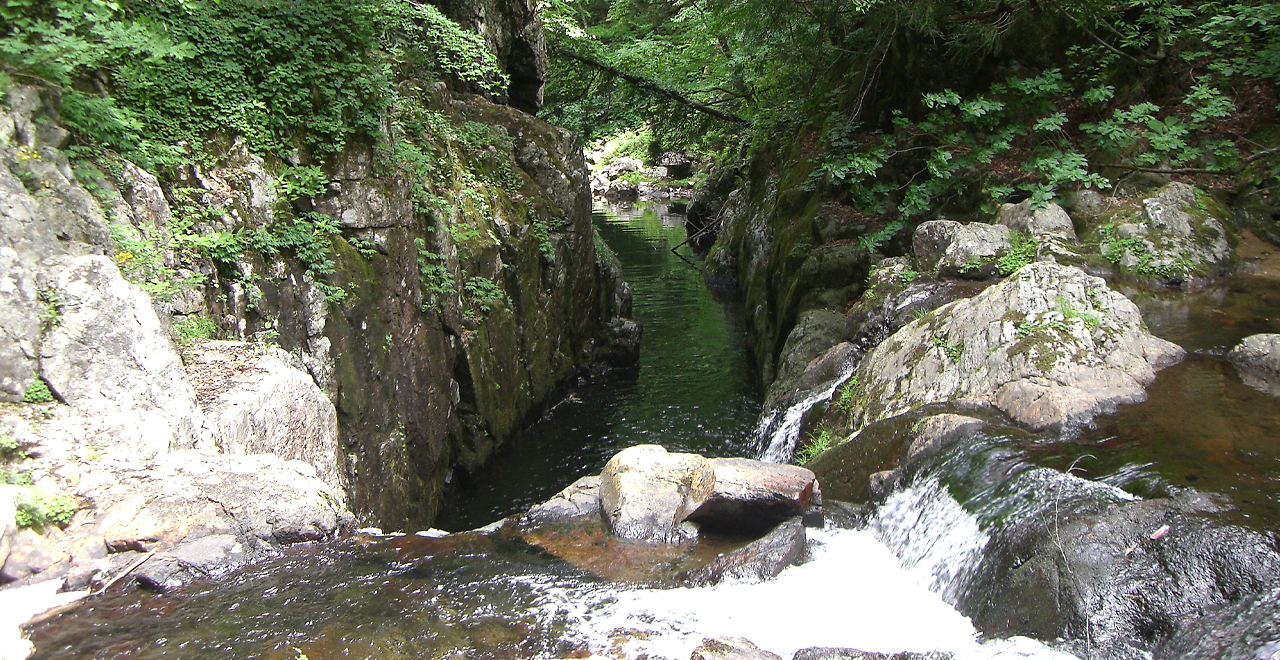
239, 394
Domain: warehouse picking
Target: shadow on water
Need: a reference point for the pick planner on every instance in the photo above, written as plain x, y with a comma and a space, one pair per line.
692, 391
1201, 426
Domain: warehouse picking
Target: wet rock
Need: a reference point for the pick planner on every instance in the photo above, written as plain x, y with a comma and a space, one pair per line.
815, 332
1247, 630
750, 497
579, 500
110, 358
190, 561
1049, 222
1258, 359
933, 434
622, 190
828, 653
270, 405
762, 559
730, 648
945, 248
647, 493
1048, 346
1125, 576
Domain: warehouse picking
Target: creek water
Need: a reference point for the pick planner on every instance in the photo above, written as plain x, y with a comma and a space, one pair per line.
887, 587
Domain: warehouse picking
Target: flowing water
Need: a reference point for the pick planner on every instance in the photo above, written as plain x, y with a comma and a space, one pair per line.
887, 587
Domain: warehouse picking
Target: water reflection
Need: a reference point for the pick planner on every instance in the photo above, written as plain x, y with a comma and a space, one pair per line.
692, 391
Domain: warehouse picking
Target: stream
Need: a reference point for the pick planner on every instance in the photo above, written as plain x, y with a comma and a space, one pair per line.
886, 587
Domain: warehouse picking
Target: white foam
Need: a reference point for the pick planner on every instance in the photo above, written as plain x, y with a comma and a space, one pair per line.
782, 440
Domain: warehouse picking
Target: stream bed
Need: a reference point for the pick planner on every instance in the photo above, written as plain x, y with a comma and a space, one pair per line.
888, 587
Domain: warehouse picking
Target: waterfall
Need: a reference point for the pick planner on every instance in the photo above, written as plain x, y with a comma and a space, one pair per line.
939, 543
780, 443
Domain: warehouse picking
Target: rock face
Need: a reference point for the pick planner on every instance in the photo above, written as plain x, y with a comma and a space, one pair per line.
1258, 359
273, 407
109, 357
1049, 346
945, 248
513, 32
646, 493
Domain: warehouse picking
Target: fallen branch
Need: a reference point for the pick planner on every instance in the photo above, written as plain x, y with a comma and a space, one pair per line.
1196, 170
649, 84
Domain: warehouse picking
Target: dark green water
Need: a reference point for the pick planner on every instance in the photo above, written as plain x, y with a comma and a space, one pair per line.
693, 390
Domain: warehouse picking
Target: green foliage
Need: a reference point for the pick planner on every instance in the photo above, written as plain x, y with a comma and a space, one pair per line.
542, 229
15, 477
483, 294
308, 236
37, 508
909, 275
872, 242
953, 350
38, 392
298, 182
142, 260
51, 308
10, 448
195, 328
1023, 252
818, 441
433, 274
849, 394
1116, 248
280, 73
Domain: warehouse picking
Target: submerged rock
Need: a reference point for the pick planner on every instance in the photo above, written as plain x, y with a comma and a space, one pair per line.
1246, 630
1258, 360
647, 493
1048, 346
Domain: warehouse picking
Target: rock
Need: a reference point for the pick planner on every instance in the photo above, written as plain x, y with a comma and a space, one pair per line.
33, 554
1174, 237
933, 434
815, 332
677, 164
8, 522
1050, 222
945, 248
109, 358
730, 648
273, 407
619, 167
579, 500
762, 559
189, 561
829, 653
646, 493
895, 296
189, 495
1048, 346
1127, 575
1258, 359
751, 497
622, 190
20, 310
1247, 630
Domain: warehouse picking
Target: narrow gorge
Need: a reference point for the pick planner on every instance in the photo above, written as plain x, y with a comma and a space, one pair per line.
639, 329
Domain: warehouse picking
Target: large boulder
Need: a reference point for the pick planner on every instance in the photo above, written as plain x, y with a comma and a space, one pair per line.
109, 357
1048, 346
816, 331
1045, 223
1246, 630
945, 248
268, 404
1258, 359
577, 502
730, 648
1172, 237
750, 497
647, 493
